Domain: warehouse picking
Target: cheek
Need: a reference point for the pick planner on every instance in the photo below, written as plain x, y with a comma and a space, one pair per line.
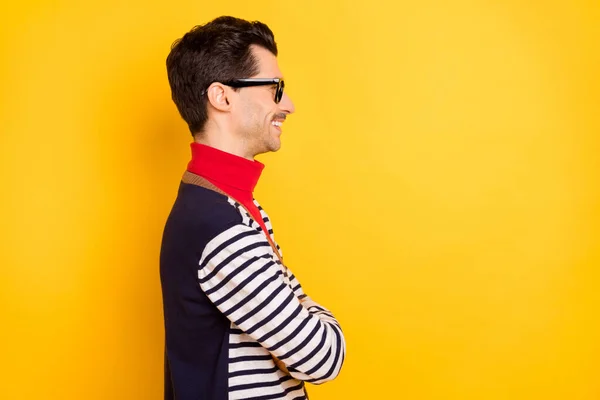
248, 116
256, 114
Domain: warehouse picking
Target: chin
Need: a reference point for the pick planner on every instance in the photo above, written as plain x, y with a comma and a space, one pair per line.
269, 148
275, 146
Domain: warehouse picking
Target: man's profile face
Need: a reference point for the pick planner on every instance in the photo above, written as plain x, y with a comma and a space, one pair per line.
257, 117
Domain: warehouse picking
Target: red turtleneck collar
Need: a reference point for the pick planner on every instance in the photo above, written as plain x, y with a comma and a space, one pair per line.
235, 175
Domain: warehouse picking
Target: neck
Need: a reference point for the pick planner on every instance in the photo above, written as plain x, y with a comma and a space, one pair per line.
222, 139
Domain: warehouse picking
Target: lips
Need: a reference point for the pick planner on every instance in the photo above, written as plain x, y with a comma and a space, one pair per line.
278, 120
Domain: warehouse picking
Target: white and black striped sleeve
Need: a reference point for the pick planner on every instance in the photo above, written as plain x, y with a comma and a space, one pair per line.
239, 274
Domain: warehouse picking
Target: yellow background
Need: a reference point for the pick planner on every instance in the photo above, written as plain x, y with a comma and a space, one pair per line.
437, 189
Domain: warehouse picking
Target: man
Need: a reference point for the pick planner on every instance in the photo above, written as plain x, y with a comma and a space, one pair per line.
237, 323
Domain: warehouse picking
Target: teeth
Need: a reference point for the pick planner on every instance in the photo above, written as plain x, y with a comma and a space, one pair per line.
276, 123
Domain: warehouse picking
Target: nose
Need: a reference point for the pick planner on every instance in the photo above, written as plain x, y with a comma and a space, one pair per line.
286, 104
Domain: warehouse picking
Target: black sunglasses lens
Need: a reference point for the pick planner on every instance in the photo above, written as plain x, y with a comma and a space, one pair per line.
279, 92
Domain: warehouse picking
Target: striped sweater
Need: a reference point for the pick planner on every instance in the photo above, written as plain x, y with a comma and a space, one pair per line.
233, 312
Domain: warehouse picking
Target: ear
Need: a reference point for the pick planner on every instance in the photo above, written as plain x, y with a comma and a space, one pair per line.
218, 96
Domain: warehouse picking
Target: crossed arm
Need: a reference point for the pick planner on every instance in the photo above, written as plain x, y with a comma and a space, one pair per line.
243, 280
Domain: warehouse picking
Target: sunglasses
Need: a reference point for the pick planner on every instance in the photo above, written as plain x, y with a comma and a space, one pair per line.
248, 82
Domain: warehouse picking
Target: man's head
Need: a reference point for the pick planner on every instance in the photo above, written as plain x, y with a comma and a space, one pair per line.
210, 72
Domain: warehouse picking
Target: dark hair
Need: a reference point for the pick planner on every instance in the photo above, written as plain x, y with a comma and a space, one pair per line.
215, 52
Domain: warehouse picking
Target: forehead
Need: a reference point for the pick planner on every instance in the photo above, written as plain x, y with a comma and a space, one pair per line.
267, 63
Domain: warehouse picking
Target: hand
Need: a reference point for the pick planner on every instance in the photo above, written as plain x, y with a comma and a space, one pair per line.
280, 364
